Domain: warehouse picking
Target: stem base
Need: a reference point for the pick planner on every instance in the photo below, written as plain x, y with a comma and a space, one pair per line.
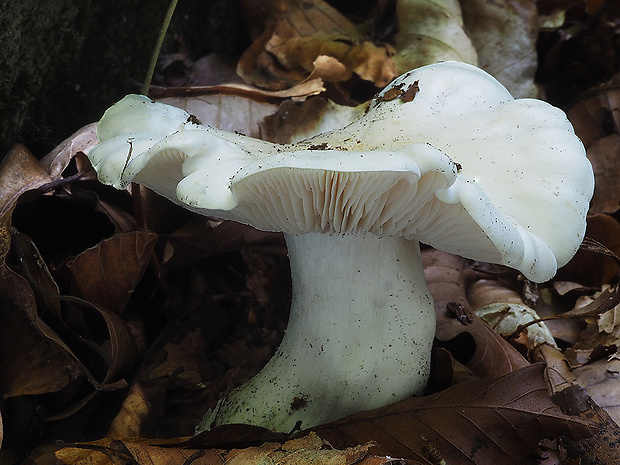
359, 336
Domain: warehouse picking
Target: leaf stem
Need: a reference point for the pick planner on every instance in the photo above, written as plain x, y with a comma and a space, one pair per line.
160, 41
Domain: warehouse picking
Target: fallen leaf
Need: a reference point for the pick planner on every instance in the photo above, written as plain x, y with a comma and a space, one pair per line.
20, 172
477, 346
122, 220
203, 237
595, 114
58, 159
310, 449
295, 121
186, 354
504, 34
430, 31
138, 451
297, 34
602, 381
508, 319
604, 154
83, 319
504, 311
474, 422
593, 266
559, 374
604, 301
227, 112
609, 321
306, 450
143, 401
108, 273
265, 276
45, 366
38, 273
292, 118
602, 447
210, 70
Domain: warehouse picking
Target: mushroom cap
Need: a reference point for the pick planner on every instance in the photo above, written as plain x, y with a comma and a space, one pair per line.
444, 155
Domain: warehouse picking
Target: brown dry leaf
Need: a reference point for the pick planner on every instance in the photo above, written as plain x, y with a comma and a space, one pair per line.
265, 277
187, 353
118, 352
606, 300
236, 107
228, 112
136, 451
293, 118
49, 364
20, 172
137, 408
307, 450
504, 310
107, 274
210, 70
609, 321
602, 447
121, 350
588, 267
496, 299
474, 422
297, 33
604, 154
602, 381
595, 115
45, 366
38, 273
329, 69
174, 372
295, 121
600, 377
431, 31
559, 374
204, 237
504, 34
58, 159
121, 219
601, 338
599, 373
479, 347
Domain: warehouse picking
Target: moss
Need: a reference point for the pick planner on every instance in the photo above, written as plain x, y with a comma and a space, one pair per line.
66, 61
33, 37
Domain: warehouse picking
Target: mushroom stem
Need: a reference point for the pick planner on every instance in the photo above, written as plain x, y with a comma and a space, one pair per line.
359, 335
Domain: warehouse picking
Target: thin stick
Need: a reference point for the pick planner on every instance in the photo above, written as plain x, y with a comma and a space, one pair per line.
160, 41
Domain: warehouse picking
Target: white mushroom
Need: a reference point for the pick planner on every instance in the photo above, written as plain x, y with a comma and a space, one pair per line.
444, 155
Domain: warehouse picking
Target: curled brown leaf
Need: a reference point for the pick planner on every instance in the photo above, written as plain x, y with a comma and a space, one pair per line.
108, 273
